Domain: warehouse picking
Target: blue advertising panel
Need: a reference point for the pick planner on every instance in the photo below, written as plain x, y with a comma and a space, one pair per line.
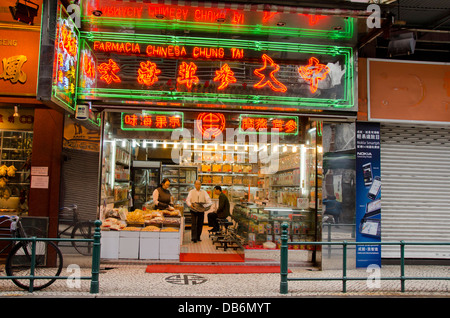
368, 193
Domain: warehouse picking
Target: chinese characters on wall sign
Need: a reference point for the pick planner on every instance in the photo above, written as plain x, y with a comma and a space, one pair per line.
12, 69
266, 124
153, 121
66, 60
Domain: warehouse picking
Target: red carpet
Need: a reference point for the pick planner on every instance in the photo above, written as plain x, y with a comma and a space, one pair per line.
211, 257
212, 269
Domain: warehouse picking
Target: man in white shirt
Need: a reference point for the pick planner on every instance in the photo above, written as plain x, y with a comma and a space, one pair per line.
197, 195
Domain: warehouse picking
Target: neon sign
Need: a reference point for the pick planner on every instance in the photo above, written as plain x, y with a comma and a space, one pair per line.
248, 74
252, 19
225, 75
65, 67
266, 124
108, 71
211, 124
148, 73
269, 79
152, 121
118, 47
313, 73
187, 74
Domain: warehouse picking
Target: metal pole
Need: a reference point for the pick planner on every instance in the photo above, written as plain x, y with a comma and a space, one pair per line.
96, 258
402, 265
284, 259
33, 262
344, 267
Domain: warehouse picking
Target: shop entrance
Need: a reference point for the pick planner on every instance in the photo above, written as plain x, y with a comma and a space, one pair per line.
267, 166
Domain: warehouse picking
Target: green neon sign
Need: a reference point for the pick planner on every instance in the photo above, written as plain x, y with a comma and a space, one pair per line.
152, 121
237, 95
65, 68
268, 124
244, 19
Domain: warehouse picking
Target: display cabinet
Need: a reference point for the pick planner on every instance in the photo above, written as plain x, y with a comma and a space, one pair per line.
182, 180
260, 226
15, 153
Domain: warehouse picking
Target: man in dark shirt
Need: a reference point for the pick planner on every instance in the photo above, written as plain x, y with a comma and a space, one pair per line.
223, 210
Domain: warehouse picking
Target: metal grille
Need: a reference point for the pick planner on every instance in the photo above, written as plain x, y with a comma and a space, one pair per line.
415, 173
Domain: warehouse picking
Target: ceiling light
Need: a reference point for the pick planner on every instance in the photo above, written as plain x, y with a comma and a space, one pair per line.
281, 24
97, 13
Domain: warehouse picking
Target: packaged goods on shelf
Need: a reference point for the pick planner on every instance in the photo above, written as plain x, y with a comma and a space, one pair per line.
216, 168
227, 179
226, 167
170, 229
151, 228
206, 179
131, 228
237, 168
246, 168
206, 168
217, 179
136, 216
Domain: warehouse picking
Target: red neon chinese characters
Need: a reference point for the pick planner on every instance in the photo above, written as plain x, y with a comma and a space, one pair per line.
161, 122
225, 75
146, 120
313, 73
291, 126
108, 71
269, 79
278, 124
211, 124
260, 124
68, 40
131, 120
88, 66
148, 73
247, 123
174, 122
187, 74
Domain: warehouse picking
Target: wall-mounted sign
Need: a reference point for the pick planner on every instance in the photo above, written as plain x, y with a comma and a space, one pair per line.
267, 124
18, 62
152, 121
199, 71
211, 124
65, 69
241, 18
24, 121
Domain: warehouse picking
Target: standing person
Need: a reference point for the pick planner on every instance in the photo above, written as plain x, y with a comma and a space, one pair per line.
197, 201
162, 197
223, 210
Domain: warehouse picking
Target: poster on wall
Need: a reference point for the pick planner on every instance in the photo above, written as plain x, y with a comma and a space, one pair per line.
368, 194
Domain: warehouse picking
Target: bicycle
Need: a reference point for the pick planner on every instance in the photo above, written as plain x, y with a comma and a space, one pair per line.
48, 260
80, 229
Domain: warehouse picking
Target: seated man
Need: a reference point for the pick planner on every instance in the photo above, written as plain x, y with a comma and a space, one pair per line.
223, 210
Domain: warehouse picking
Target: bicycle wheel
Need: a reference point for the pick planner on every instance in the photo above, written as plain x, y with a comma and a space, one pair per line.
18, 263
83, 230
